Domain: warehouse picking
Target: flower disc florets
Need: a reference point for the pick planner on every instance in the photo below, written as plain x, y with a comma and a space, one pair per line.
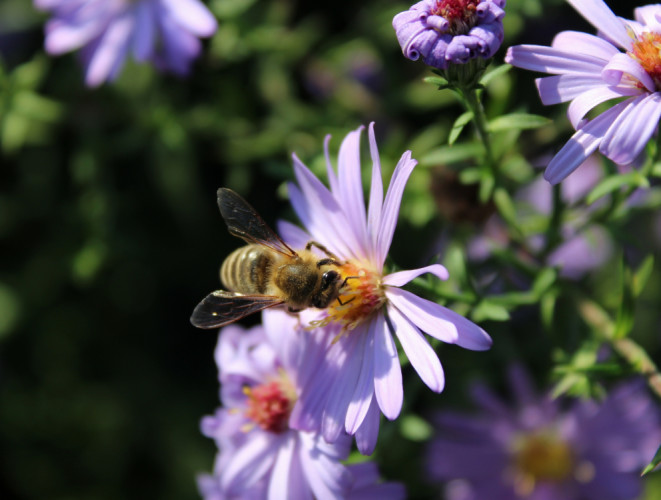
361, 294
540, 456
446, 32
461, 15
647, 51
269, 405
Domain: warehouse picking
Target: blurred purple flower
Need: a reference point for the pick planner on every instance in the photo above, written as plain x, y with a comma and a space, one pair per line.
367, 485
164, 32
582, 249
448, 32
539, 451
260, 456
589, 70
361, 372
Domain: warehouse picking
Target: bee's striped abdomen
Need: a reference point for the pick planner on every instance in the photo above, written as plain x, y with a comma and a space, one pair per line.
247, 270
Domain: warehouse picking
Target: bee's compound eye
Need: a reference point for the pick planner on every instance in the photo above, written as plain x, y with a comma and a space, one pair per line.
329, 278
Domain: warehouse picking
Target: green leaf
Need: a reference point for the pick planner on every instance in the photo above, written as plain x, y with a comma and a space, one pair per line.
455, 262
459, 125
14, 133
544, 281
227, 9
439, 81
512, 300
457, 153
547, 309
655, 461
641, 276
487, 310
36, 107
517, 121
575, 372
656, 169
415, 428
615, 182
625, 312
487, 184
470, 175
572, 383
30, 74
495, 73
506, 208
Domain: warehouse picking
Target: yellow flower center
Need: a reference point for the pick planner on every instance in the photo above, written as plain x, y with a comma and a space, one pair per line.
647, 51
541, 456
361, 294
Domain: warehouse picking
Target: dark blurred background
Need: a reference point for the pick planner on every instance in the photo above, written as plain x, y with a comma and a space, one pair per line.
110, 234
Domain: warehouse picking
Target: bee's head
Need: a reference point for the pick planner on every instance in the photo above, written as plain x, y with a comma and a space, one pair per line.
329, 289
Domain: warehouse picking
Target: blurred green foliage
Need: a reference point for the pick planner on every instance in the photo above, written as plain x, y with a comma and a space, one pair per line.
109, 233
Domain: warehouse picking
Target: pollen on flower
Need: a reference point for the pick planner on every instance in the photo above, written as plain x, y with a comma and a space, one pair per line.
461, 14
269, 405
539, 457
647, 51
360, 295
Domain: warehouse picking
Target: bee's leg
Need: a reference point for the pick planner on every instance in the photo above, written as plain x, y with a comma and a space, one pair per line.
347, 279
327, 262
346, 301
334, 258
342, 285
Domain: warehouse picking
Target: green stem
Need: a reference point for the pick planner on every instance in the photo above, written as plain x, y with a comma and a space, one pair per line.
553, 236
635, 356
471, 101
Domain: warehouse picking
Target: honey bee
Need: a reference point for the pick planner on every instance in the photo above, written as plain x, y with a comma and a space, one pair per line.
266, 272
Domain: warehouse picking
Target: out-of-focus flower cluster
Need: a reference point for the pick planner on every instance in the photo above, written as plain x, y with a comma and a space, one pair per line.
164, 32
541, 448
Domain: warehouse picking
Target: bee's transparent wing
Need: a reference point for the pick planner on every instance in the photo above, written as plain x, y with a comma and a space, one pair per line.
220, 308
243, 221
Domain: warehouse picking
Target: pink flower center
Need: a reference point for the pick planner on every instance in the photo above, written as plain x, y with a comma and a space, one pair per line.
269, 406
461, 14
647, 51
361, 295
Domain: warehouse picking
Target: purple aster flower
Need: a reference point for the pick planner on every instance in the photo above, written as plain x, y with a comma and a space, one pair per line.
162, 31
260, 456
623, 60
361, 372
448, 32
538, 450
